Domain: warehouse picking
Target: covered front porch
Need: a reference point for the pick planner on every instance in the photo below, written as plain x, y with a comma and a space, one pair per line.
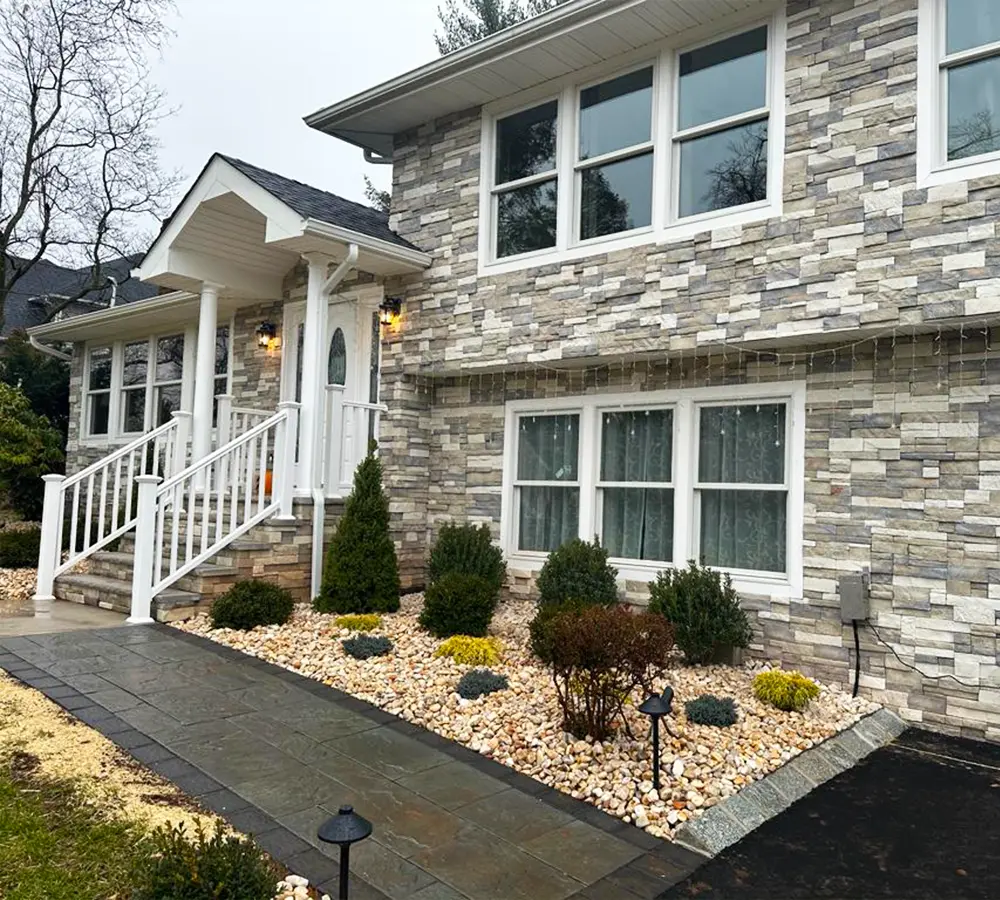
247, 392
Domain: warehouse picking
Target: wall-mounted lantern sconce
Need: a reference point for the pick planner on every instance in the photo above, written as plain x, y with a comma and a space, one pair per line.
267, 336
390, 311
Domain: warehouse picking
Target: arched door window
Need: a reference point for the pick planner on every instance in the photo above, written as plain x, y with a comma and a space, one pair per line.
336, 368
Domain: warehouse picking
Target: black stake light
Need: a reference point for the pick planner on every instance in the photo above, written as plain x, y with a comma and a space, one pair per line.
656, 706
344, 829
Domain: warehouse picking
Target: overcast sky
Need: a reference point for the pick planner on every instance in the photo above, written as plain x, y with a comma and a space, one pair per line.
243, 73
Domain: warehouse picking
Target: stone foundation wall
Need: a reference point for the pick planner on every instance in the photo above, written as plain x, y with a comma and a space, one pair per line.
902, 481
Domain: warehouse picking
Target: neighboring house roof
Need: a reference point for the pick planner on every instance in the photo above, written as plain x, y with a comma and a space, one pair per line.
46, 283
316, 204
569, 37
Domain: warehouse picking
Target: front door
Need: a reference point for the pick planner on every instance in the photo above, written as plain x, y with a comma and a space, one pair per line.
346, 366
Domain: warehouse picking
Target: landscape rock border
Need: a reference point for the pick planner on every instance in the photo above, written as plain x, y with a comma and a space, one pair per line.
735, 817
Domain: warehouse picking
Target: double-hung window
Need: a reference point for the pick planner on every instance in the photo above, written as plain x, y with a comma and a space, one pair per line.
959, 89
661, 478
135, 372
98, 399
678, 141
722, 123
167, 377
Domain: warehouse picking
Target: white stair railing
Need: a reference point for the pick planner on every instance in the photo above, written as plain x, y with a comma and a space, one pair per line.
84, 513
195, 514
349, 426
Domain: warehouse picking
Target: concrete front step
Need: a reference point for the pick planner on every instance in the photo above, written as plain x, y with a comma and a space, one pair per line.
116, 594
206, 580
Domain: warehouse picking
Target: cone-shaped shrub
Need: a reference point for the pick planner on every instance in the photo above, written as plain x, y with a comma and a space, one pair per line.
361, 574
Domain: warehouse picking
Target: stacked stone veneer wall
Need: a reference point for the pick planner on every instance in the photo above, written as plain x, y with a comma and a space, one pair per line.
900, 467
256, 376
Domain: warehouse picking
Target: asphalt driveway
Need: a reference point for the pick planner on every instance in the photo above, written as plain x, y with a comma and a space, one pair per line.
917, 819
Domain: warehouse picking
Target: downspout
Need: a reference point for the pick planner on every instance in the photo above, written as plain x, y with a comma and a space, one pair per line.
48, 351
319, 491
114, 291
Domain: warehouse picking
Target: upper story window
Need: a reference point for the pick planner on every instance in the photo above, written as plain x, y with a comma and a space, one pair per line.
959, 90
666, 146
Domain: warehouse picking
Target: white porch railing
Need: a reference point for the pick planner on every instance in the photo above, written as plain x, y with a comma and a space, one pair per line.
100, 501
350, 424
195, 514
236, 420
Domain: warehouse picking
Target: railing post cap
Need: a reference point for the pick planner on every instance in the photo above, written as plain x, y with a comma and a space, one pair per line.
148, 479
289, 404
53, 479
182, 414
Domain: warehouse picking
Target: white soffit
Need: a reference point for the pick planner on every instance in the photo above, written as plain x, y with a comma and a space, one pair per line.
568, 38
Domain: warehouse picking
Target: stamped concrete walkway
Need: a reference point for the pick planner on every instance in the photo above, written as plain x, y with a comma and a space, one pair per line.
276, 754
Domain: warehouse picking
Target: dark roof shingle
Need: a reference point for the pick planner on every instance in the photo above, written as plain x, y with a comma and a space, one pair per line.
316, 204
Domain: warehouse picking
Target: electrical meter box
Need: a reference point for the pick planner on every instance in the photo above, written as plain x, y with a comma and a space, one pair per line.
854, 597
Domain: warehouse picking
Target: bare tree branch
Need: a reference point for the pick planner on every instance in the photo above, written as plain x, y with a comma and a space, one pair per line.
80, 180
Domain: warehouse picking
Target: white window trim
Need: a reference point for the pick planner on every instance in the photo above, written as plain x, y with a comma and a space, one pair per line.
933, 166
116, 433
666, 227
685, 404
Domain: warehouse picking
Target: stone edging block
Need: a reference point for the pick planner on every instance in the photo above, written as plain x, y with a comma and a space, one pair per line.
734, 818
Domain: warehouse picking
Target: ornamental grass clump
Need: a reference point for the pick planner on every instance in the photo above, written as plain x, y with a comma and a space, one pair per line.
599, 657
249, 604
790, 691
471, 651
359, 622
710, 710
704, 609
365, 646
223, 867
480, 682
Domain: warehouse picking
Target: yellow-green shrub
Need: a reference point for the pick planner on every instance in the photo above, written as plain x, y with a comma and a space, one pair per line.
471, 651
785, 690
359, 622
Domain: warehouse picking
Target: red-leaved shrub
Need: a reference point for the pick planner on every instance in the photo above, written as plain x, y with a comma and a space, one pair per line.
599, 656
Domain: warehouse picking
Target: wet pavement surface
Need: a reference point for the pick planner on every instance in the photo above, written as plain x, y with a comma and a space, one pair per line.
20, 616
917, 819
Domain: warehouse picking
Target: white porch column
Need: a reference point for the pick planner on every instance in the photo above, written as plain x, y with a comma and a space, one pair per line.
313, 377
204, 373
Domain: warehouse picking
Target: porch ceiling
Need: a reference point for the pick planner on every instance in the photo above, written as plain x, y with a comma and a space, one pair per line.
570, 37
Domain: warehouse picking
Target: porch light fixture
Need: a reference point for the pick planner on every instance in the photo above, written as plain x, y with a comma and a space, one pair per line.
656, 706
390, 311
344, 829
267, 336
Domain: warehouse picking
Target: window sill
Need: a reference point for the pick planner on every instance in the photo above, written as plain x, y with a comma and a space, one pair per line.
746, 584
677, 231
965, 170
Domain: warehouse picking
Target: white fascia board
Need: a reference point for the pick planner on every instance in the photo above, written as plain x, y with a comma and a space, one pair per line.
212, 269
220, 178
413, 260
106, 319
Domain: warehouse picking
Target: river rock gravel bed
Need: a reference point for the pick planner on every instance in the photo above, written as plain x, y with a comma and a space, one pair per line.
520, 727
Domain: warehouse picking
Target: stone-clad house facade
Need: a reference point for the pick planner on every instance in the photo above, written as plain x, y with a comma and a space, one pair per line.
779, 360
875, 290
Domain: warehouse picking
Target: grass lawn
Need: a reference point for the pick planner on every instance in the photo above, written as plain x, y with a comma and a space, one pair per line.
54, 846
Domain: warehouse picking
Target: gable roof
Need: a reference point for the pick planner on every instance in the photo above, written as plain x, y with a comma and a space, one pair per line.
313, 203
568, 38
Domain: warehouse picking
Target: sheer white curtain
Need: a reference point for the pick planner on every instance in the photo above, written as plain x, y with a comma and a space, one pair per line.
637, 447
743, 527
548, 451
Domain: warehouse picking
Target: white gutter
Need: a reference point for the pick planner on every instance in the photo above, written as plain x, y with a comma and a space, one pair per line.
405, 255
109, 316
48, 351
318, 491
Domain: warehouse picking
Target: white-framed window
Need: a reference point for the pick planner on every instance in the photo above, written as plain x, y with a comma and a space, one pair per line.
712, 474
661, 145
135, 387
958, 91
168, 377
97, 381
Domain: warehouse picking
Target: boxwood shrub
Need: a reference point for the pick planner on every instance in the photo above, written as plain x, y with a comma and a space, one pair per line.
458, 604
19, 547
248, 604
467, 550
